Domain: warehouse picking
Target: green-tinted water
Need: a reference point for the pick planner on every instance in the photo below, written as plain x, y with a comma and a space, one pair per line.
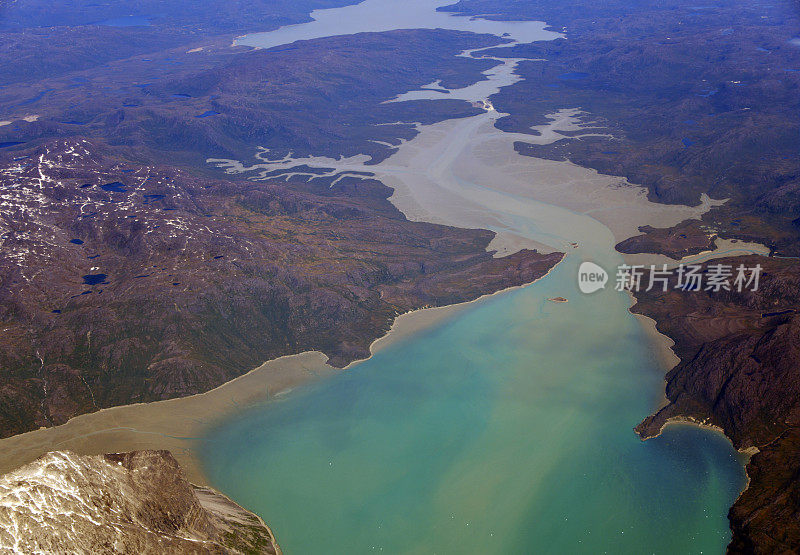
506, 430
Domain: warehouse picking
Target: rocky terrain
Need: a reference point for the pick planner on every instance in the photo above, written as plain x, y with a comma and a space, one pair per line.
132, 271
740, 355
177, 106
125, 283
133, 503
764, 519
46, 38
685, 239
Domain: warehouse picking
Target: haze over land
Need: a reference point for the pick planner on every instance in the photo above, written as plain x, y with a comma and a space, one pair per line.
134, 270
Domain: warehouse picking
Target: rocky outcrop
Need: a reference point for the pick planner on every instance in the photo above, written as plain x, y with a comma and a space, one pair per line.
740, 370
127, 503
765, 518
747, 383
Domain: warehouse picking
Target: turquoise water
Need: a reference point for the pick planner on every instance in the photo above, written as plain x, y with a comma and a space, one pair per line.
507, 429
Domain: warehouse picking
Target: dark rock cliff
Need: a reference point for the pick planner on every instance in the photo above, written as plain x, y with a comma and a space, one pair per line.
740, 370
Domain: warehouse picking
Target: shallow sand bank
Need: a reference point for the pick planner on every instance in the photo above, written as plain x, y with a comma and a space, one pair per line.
176, 424
170, 424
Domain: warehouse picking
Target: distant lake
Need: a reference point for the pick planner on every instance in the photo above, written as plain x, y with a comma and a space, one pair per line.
94, 279
115, 187
378, 15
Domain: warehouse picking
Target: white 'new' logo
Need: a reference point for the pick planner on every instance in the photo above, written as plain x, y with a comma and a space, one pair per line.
591, 277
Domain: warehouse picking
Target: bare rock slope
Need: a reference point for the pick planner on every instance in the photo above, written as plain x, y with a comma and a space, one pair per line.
137, 502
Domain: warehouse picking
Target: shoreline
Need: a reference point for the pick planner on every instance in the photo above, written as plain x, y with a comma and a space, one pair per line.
703, 424
746, 453
178, 424
662, 346
409, 323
